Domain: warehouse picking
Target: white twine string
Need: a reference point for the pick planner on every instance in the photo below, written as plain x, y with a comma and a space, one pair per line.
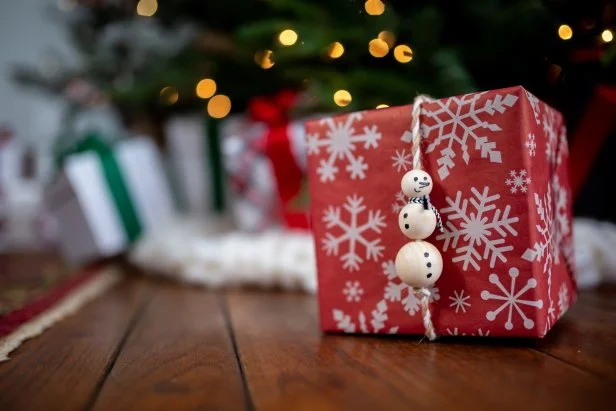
416, 129
423, 294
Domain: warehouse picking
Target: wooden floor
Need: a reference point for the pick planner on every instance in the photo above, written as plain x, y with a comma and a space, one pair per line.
152, 345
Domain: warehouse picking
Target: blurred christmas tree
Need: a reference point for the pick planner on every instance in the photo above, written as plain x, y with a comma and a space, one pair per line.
153, 58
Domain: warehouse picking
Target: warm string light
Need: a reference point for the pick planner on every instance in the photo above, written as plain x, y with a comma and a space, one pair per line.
264, 59
388, 37
287, 37
335, 50
374, 7
378, 48
403, 53
219, 106
205, 88
342, 98
147, 8
169, 95
382, 106
607, 35
565, 32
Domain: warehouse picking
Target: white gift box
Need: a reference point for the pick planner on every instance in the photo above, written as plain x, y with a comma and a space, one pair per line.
91, 222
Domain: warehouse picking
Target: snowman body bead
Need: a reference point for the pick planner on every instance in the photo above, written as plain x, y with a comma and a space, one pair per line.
419, 264
416, 222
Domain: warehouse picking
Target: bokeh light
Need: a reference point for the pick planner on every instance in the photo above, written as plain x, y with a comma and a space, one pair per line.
287, 37
169, 95
374, 7
264, 59
342, 98
382, 106
335, 50
565, 32
388, 37
219, 106
147, 8
403, 53
607, 36
206, 88
378, 48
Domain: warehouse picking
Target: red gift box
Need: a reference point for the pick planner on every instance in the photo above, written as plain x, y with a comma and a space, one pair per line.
499, 164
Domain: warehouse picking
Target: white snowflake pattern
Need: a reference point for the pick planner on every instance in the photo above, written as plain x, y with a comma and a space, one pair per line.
341, 143
459, 118
459, 301
484, 226
563, 145
556, 146
353, 291
399, 202
518, 180
531, 145
397, 291
353, 233
551, 316
389, 269
401, 160
563, 300
511, 299
534, 105
479, 333
553, 227
379, 317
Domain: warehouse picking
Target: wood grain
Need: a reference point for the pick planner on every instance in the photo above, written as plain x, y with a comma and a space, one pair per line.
586, 335
62, 369
289, 365
178, 357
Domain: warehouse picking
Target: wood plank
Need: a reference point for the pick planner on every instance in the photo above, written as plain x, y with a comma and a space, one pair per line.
586, 335
290, 365
178, 357
61, 369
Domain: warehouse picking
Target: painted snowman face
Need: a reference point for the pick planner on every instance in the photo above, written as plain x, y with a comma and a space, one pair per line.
416, 183
419, 264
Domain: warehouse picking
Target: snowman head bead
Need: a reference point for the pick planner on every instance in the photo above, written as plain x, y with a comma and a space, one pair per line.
416, 183
419, 264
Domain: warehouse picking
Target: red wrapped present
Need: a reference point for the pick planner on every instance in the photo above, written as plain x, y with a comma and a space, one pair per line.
499, 164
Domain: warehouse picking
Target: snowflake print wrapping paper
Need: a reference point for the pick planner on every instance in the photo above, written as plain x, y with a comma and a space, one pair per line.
499, 163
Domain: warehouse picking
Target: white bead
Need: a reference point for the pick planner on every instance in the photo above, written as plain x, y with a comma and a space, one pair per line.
416, 183
419, 264
416, 222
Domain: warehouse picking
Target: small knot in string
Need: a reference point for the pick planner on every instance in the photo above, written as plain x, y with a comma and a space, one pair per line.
423, 294
416, 128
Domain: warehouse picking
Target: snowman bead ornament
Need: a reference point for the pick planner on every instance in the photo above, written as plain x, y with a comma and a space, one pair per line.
418, 263
418, 219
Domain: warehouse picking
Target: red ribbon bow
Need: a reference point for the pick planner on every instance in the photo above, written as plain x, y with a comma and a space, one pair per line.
276, 144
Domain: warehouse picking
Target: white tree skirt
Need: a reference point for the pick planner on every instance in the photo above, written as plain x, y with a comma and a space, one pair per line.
207, 254
595, 256
211, 255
